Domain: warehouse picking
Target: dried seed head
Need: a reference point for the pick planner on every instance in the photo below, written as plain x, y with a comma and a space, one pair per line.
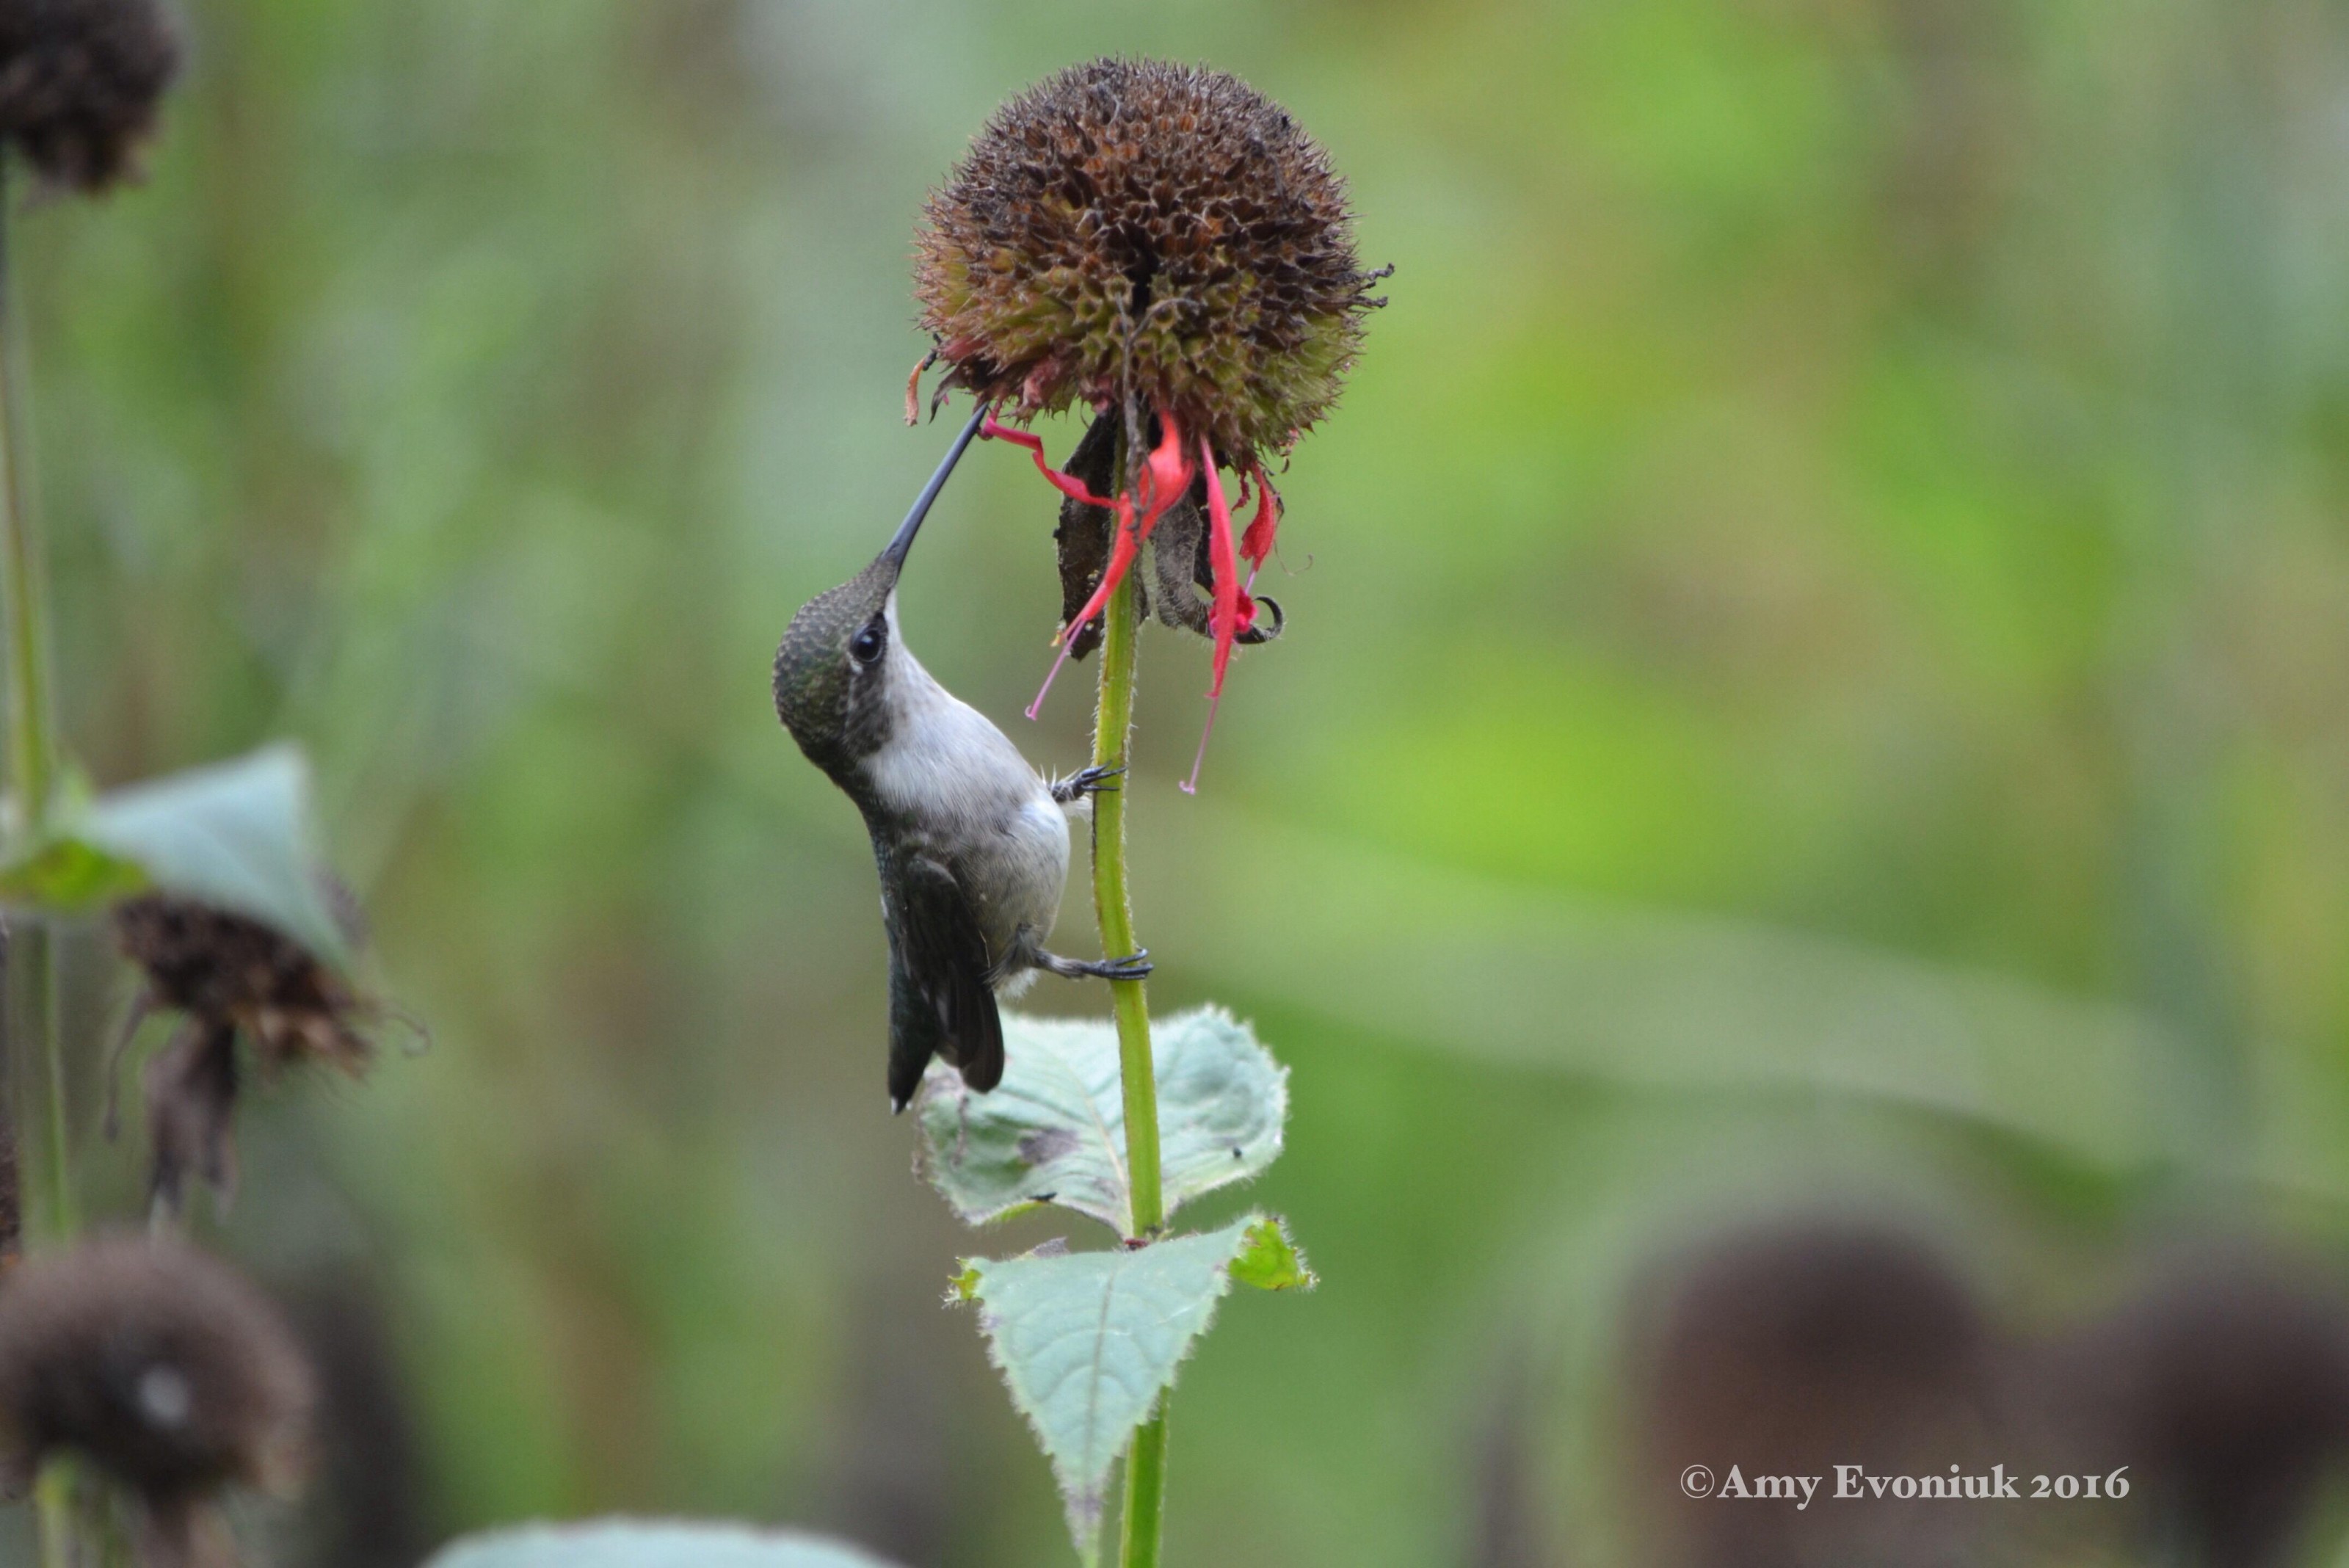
1161, 230
80, 81
161, 1365
1800, 1344
228, 968
191, 1090
231, 975
2224, 1379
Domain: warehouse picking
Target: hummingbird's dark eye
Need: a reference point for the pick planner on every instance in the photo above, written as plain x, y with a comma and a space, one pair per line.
866, 645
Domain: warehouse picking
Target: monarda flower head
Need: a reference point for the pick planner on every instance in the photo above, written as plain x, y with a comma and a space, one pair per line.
80, 82
161, 1366
229, 976
1165, 245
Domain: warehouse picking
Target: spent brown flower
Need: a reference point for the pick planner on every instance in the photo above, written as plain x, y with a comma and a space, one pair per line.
161, 1366
1144, 231
80, 85
234, 978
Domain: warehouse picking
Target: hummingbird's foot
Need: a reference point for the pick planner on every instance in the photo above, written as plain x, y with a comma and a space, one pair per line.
1133, 967
1089, 781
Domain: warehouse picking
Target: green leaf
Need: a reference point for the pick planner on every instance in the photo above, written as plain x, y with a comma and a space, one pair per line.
626, 1544
1054, 1129
1088, 1341
1269, 1260
70, 874
237, 834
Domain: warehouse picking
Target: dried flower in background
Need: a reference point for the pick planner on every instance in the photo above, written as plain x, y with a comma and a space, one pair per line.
1790, 1348
190, 1088
2223, 1382
161, 1365
233, 977
80, 83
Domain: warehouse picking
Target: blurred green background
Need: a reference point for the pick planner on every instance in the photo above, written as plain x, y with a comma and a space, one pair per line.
1818, 671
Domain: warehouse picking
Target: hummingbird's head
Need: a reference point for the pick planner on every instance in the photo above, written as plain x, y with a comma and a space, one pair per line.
832, 670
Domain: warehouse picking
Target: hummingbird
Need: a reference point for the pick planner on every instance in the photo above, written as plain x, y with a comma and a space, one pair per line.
971, 841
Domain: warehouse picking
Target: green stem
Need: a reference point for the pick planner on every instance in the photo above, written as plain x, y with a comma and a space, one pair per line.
53, 1503
1145, 1492
1145, 1467
32, 777
32, 751
1113, 722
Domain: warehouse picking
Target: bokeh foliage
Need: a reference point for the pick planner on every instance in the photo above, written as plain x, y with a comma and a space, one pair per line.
1815, 663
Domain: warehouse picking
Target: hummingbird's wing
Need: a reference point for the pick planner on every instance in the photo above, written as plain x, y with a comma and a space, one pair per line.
939, 1000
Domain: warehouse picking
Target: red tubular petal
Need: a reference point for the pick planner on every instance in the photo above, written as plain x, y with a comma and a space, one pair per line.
1199, 758
1225, 617
1071, 488
1166, 475
1257, 543
1036, 709
1123, 546
1164, 479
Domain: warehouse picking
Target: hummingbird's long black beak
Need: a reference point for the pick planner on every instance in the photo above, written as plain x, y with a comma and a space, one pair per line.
896, 554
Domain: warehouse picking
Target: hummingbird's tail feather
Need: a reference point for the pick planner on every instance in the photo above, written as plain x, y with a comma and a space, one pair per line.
940, 1002
916, 1035
982, 1067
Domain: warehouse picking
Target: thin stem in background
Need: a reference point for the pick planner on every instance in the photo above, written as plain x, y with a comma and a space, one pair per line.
32, 777
12, 1180
1145, 1466
32, 753
31, 750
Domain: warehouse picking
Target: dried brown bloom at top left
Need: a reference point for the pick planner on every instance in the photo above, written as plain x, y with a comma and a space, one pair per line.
80, 84
231, 978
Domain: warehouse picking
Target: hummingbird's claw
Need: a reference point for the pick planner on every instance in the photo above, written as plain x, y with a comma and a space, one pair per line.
1131, 967
1088, 780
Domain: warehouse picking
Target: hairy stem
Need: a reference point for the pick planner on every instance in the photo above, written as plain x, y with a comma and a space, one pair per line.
1113, 721
1145, 1492
1145, 1467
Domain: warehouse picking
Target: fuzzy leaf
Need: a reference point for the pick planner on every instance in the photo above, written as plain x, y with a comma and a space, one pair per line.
627, 1543
1088, 1341
1054, 1129
237, 834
